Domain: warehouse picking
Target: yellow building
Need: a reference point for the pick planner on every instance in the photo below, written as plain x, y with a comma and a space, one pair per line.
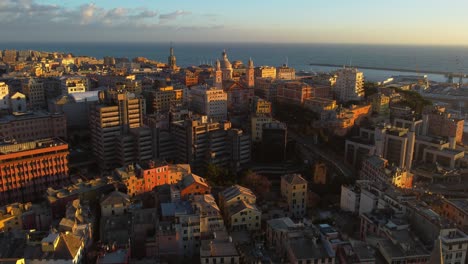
235, 194
260, 106
294, 191
243, 216
238, 205
380, 103
265, 72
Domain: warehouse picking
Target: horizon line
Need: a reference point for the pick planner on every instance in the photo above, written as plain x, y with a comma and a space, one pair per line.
237, 42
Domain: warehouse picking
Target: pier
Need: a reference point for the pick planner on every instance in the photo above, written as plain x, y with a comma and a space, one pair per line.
446, 74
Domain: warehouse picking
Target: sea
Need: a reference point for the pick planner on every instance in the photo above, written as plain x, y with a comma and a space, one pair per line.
299, 56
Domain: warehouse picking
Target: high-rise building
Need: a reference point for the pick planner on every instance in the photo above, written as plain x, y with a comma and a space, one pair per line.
349, 85
167, 98
28, 169
118, 134
394, 144
199, 143
209, 101
35, 92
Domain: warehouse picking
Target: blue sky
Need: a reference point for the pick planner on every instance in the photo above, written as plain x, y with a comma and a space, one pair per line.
436, 22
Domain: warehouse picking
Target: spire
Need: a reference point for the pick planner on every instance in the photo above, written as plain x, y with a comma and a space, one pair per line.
251, 64
218, 65
171, 50
224, 54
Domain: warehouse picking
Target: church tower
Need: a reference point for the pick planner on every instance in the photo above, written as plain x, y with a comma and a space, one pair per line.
171, 60
250, 74
218, 83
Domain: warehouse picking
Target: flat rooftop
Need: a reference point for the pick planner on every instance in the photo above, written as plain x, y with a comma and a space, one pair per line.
20, 116
10, 147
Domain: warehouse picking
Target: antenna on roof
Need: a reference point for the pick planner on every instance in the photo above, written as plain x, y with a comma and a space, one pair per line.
287, 61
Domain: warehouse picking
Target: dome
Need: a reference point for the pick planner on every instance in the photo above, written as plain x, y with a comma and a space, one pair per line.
225, 63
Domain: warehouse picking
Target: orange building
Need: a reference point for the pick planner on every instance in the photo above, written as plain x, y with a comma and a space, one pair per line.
144, 177
28, 169
193, 185
293, 92
443, 124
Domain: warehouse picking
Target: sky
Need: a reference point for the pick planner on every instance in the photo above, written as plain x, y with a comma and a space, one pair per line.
405, 22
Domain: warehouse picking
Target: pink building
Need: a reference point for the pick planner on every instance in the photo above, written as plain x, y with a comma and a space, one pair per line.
293, 92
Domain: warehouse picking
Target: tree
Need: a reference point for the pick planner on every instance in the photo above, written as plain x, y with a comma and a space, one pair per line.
219, 176
370, 88
259, 184
414, 100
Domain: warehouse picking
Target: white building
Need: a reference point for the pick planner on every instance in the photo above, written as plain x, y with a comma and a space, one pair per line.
350, 198
18, 102
453, 246
349, 85
209, 101
4, 96
73, 84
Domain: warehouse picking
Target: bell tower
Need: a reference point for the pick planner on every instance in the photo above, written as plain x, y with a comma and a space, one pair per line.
218, 83
250, 74
171, 60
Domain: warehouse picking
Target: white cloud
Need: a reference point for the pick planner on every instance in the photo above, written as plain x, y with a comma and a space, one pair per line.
31, 20
174, 15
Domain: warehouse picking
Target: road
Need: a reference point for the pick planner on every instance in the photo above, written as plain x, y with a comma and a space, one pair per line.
307, 143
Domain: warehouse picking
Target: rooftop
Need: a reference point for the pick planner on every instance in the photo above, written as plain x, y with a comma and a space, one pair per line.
294, 179
22, 116
461, 204
284, 224
115, 197
308, 249
9, 147
236, 190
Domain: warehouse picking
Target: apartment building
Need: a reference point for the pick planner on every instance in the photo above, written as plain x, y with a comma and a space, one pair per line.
118, 135
294, 191
28, 169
